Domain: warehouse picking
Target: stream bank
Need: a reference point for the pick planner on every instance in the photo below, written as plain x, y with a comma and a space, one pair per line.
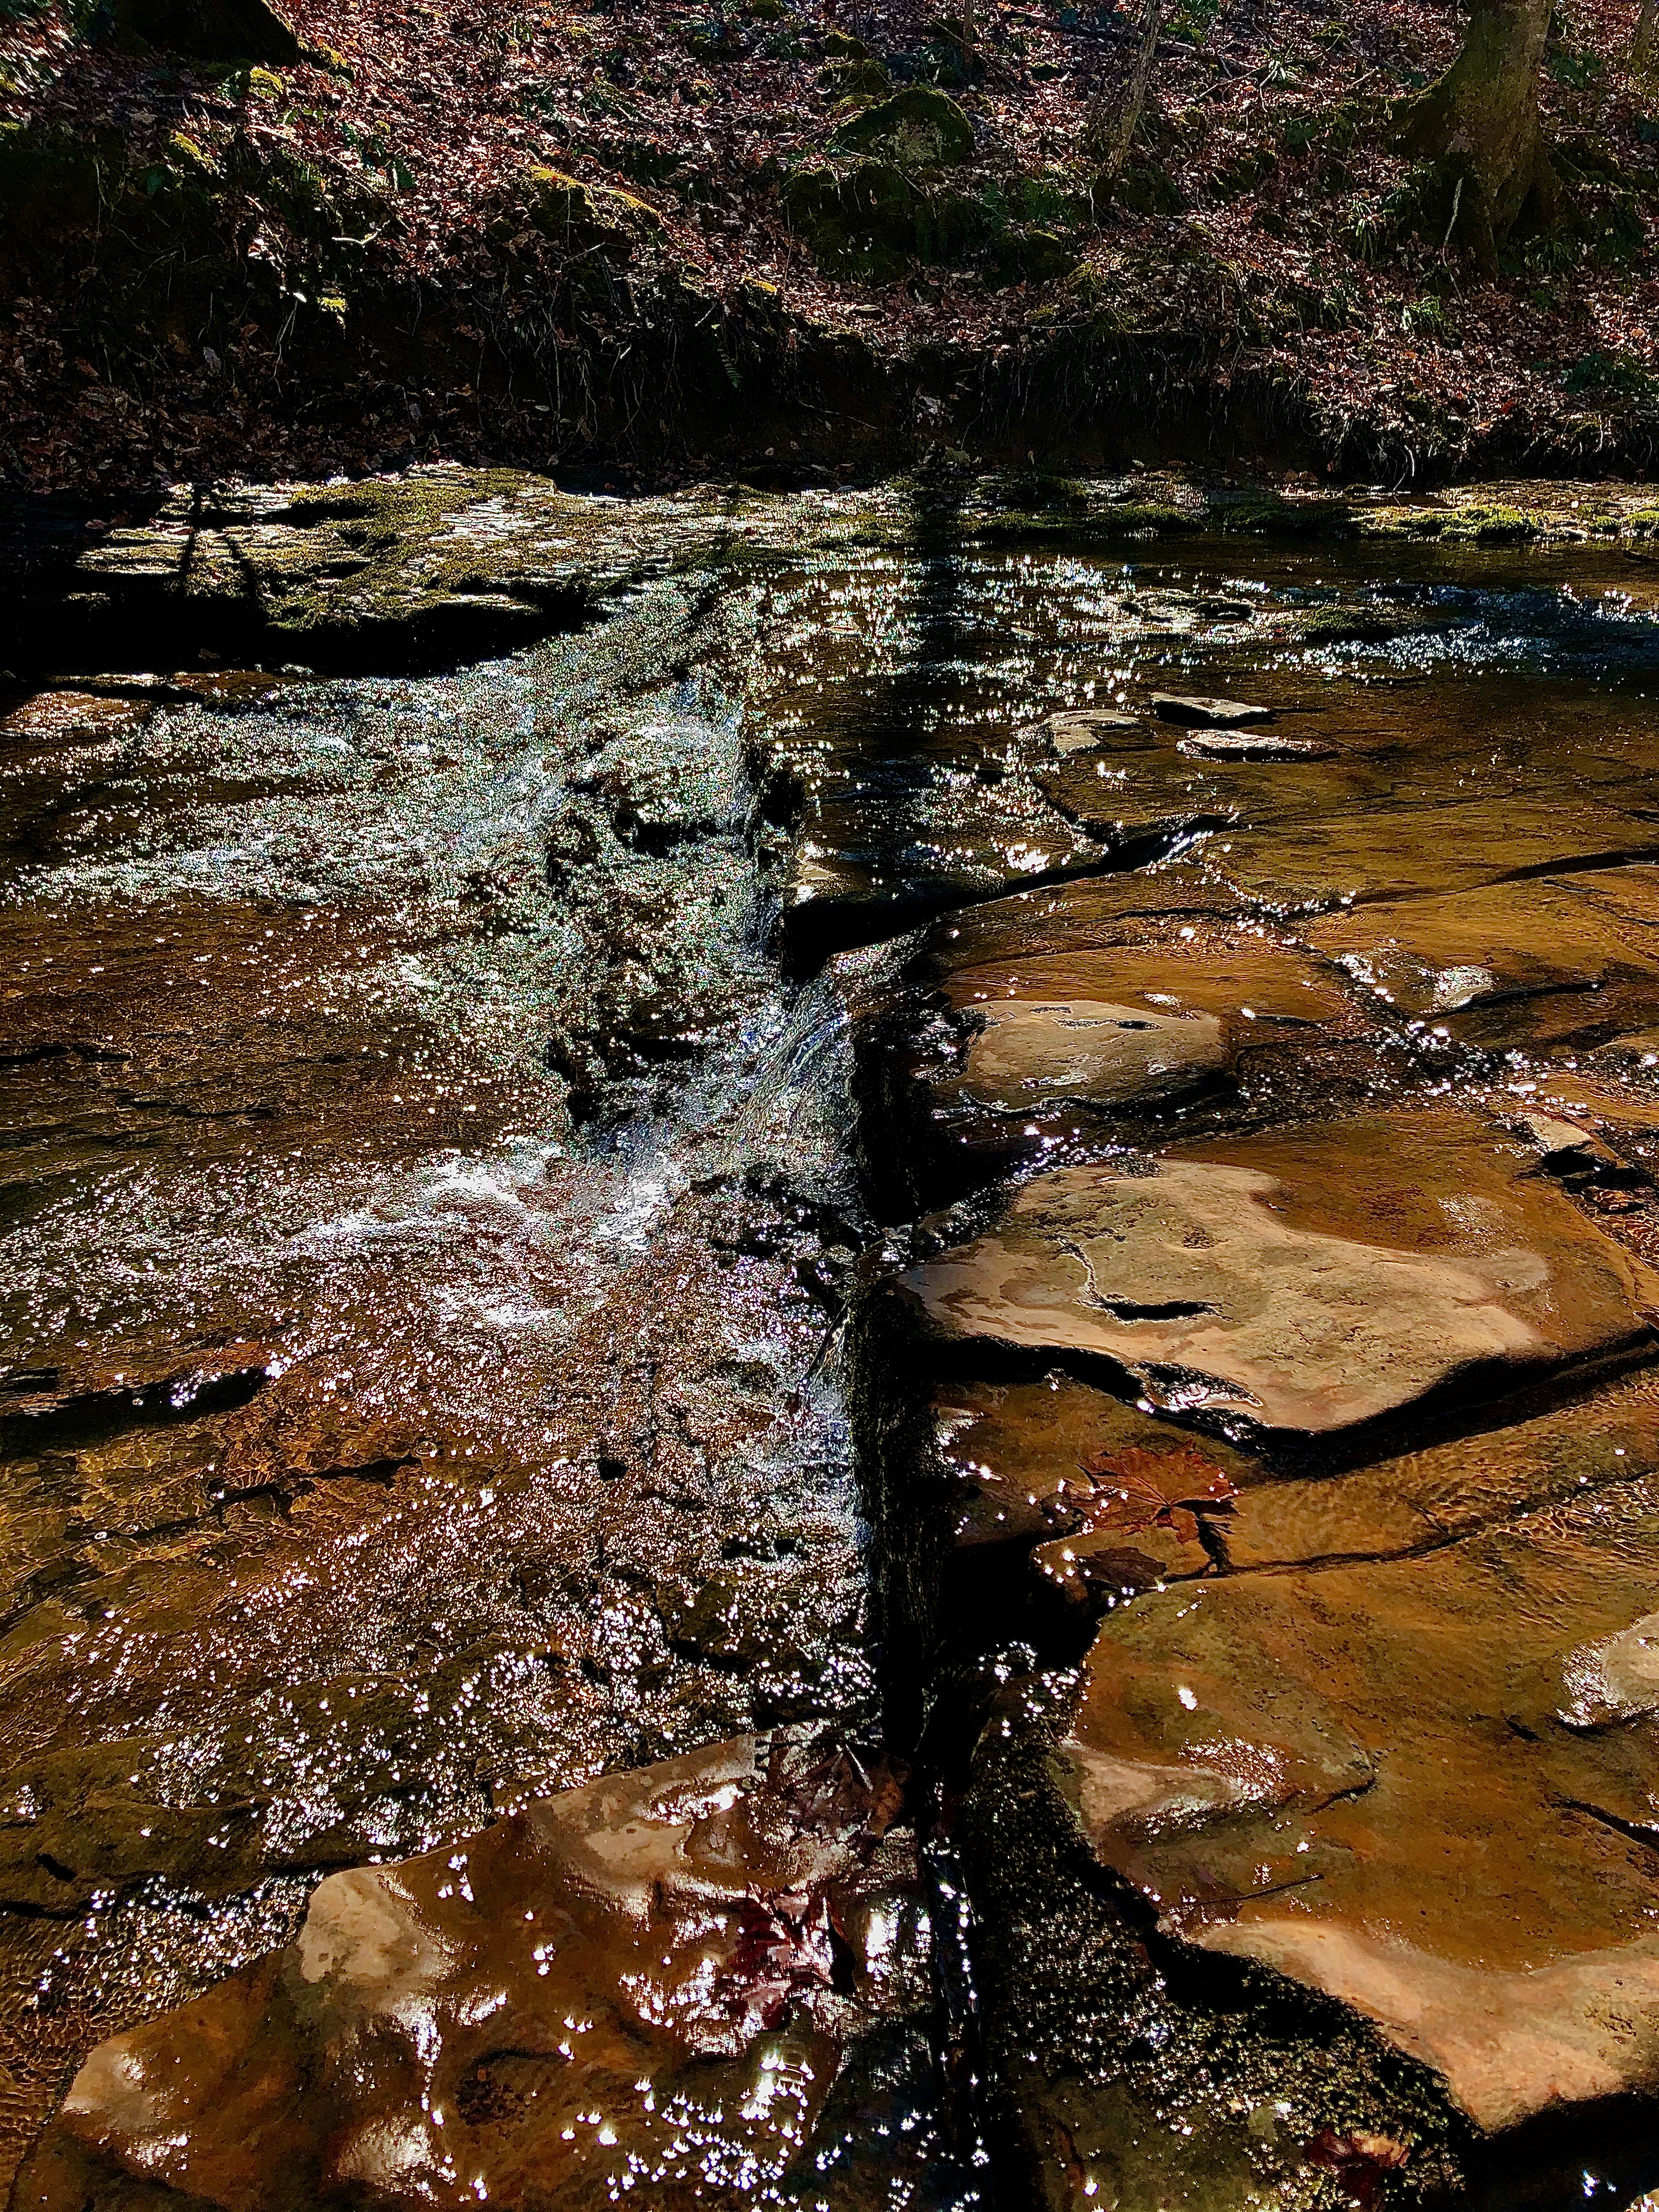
1076, 1077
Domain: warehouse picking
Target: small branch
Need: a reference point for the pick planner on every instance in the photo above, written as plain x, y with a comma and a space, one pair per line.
1457, 202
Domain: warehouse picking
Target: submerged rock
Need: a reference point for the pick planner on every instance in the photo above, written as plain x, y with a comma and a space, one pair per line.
648, 1982
1414, 1786
1384, 851
1304, 1280
1534, 962
1253, 745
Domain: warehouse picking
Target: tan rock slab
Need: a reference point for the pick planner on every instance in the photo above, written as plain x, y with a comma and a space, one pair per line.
1081, 729
1127, 1025
1383, 852
640, 1984
1426, 1786
1304, 1280
1528, 961
1193, 712
1081, 1051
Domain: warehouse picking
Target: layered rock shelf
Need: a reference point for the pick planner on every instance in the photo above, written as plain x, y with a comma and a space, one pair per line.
1184, 1097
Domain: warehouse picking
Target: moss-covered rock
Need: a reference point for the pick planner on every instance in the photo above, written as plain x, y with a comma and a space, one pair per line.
859, 222
1357, 625
1266, 515
716, 41
1493, 526
857, 80
416, 573
872, 219
1030, 255
920, 128
561, 208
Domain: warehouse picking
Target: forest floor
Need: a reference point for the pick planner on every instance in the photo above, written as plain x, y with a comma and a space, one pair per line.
352, 263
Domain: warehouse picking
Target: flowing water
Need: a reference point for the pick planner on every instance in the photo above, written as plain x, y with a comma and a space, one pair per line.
432, 1190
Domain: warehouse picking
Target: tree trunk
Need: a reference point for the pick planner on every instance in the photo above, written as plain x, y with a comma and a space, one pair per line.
1480, 126
1111, 120
1641, 45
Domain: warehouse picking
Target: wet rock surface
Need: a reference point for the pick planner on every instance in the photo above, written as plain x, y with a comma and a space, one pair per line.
916, 1282
1307, 1282
648, 1984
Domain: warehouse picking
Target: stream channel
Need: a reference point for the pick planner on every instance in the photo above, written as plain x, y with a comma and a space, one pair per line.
875, 1340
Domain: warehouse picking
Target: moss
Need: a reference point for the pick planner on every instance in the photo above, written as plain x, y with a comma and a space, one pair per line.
1268, 515
841, 46
332, 63
862, 222
559, 206
187, 156
1356, 626
1145, 189
1493, 526
871, 220
1131, 517
1031, 256
48, 187
857, 81
718, 41
918, 128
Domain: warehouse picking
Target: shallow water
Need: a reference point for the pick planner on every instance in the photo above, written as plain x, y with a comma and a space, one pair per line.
429, 1191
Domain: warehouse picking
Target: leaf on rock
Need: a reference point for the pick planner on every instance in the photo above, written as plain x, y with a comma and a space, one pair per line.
1361, 2161
1138, 1488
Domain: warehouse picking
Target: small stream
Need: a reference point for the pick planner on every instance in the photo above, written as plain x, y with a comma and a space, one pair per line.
434, 1179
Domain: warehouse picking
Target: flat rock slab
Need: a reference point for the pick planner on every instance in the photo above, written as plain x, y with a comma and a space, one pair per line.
1253, 746
1082, 729
1126, 1026
1535, 961
1081, 917
1018, 1452
1193, 712
1426, 1787
633, 1984
1415, 1503
1378, 852
1310, 1280
1081, 1051
1108, 790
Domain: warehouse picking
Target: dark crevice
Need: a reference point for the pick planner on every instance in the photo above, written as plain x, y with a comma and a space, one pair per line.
94, 1417
814, 932
1634, 1832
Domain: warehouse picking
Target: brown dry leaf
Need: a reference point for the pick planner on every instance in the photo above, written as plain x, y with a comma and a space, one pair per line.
1361, 2161
1139, 1488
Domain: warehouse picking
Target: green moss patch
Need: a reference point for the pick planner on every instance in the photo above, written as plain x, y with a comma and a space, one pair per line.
920, 128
